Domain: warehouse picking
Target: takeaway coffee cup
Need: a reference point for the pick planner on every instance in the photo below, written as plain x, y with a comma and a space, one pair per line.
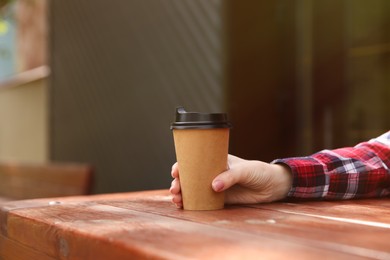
201, 144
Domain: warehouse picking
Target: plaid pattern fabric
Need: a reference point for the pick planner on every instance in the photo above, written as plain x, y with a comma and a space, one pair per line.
362, 171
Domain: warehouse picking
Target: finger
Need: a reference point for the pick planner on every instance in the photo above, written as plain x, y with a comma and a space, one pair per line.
224, 181
175, 171
175, 187
179, 205
249, 174
177, 199
228, 178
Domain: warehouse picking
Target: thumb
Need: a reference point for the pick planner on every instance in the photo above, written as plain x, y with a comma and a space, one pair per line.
227, 179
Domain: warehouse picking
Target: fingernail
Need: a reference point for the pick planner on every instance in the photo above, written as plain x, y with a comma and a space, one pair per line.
218, 185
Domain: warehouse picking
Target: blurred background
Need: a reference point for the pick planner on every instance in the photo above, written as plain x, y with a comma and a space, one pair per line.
97, 82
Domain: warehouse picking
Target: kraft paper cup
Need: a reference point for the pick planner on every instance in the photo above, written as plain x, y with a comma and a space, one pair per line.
201, 151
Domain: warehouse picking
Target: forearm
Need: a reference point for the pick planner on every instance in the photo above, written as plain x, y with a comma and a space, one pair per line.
355, 172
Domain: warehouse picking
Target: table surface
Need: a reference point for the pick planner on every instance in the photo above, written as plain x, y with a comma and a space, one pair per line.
146, 225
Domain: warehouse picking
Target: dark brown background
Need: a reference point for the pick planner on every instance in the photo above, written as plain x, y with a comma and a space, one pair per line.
294, 76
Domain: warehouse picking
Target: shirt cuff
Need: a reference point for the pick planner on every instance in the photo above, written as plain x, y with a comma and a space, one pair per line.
309, 178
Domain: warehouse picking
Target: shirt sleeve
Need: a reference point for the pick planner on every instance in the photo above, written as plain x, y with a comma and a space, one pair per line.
352, 172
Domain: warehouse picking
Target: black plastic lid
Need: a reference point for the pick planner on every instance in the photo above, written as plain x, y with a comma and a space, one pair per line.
195, 120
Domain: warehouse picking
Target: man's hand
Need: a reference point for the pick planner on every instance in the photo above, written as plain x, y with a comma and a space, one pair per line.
245, 182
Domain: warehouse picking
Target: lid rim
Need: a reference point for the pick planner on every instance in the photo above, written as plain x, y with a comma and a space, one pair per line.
195, 120
184, 127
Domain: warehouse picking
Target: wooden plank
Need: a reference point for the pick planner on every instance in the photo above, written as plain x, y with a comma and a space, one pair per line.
91, 230
143, 235
374, 210
26, 181
146, 224
354, 238
10, 249
25, 77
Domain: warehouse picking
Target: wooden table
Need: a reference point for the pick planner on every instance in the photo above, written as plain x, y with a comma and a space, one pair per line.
146, 225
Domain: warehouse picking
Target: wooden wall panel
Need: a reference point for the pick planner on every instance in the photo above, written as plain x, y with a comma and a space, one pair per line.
119, 69
261, 78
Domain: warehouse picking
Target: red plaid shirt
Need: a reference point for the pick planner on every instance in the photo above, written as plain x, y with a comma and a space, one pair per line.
362, 171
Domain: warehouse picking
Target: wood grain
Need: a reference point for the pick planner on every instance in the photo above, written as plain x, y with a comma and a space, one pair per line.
145, 225
10, 249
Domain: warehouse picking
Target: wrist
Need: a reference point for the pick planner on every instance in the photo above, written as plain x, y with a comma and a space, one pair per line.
283, 180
